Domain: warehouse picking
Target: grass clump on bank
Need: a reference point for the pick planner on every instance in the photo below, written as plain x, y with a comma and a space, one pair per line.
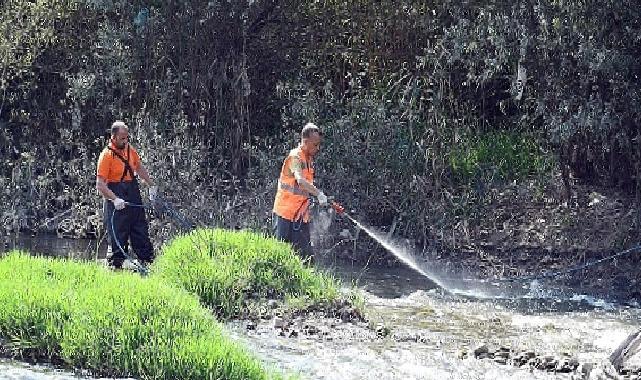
227, 268
112, 324
506, 155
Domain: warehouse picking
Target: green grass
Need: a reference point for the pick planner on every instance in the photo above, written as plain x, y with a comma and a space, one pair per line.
500, 155
227, 268
158, 327
113, 324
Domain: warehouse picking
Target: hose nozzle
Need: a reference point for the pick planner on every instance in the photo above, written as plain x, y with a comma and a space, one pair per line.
337, 207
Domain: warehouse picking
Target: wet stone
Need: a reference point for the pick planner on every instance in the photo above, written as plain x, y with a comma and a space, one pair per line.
251, 325
311, 330
500, 360
280, 323
550, 363
585, 369
482, 350
502, 355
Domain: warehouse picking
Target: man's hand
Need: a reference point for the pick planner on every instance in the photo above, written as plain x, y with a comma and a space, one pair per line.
153, 193
119, 203
322, 198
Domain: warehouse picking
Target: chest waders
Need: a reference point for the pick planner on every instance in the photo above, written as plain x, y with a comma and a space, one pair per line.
129, 224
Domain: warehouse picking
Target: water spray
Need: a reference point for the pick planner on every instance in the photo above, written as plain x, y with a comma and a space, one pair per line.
398, 252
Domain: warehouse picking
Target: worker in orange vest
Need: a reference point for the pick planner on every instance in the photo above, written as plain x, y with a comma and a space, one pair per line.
295, 186
124, 218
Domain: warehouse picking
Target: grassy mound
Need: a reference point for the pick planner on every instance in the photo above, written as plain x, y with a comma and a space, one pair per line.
114, 324
226, 268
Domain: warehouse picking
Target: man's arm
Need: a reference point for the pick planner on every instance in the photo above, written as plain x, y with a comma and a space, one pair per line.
142, 173
306, 185
296, 168
101, 186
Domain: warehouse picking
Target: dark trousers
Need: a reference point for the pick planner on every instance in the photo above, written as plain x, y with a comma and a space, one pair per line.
296, 233
126, 226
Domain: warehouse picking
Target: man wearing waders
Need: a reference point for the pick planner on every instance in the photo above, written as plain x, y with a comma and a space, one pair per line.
295, 186
116, 181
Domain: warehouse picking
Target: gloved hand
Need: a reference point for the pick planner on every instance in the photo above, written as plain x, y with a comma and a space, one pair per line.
322, 198
119, 203
153, 193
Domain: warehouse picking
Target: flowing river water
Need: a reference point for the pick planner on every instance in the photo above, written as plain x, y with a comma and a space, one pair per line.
415, 329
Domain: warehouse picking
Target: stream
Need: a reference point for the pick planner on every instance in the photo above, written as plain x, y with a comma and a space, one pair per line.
415, 329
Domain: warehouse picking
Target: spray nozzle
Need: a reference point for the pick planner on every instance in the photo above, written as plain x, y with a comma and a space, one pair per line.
337, 207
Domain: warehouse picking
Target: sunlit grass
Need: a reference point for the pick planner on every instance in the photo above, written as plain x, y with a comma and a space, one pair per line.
506, 155
156, 327
226, 268
113, 324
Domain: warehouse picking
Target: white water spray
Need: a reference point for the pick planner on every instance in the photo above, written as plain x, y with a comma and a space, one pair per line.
479, 288
408, 258
400, 253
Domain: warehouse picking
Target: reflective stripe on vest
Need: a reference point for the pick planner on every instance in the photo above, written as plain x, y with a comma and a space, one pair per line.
293, 189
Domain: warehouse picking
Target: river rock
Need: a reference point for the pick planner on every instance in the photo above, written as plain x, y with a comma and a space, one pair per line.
382, 331
585, 369
549, 363
311, 329
500, 360
280, 323
482, 350
503, 353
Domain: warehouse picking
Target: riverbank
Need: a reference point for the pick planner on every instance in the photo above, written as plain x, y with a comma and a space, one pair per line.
81, 315
416, 331
535, 231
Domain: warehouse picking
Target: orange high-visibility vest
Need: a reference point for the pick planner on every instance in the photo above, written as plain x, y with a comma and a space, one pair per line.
292, 202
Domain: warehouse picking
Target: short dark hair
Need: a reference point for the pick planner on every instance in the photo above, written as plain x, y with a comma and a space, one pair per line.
116, 126
309, 129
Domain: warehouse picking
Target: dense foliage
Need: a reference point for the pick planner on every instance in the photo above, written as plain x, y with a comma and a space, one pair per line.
409, 92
